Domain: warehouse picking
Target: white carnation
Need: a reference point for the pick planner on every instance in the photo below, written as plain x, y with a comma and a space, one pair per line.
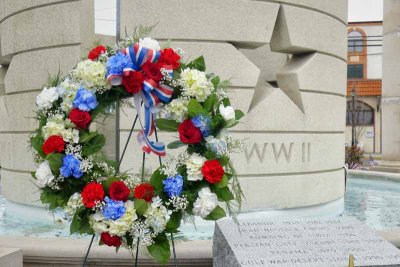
195, 84
228, 113
157, 215
46, 98
43, 174
149, 43
193, 167
205, 203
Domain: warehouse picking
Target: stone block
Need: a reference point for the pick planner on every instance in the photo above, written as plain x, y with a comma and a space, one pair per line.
10, 257
16, 154
10, 7
391, 67
106, 40
337, 9
227, 20
391, 14
391, 137
50, 25
269, 62
3, 71
17, 112
47, 62
296, 32
25, 193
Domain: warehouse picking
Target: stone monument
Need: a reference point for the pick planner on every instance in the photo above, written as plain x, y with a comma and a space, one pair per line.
286, 61
311, 242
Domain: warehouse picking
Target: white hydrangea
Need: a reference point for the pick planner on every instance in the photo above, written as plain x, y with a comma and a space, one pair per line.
43, 174
98, 222
195, 84
176, 110
91, 74
218, 145
56, 125
46, 98
193, 167
67, 91
149, 43
74, 202
157, 215
122, 225
206, 202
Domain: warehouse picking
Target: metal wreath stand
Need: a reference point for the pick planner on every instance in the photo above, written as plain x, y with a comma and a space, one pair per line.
116, 172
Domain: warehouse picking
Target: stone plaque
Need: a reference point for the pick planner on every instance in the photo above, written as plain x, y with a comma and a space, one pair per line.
300, 242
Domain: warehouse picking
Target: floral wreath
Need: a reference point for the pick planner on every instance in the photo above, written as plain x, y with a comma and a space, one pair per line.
73, 173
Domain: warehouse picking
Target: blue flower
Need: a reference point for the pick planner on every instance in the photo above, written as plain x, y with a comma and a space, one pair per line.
203, 123
113, 210
71, 166
85, 100
117, 63
173, 185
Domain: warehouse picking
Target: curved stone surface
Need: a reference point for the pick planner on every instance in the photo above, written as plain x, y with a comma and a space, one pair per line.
296, 31
244, 22
15, 153
47, 62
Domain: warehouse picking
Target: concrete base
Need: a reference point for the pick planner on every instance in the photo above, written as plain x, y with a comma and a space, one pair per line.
10, 257
387, 166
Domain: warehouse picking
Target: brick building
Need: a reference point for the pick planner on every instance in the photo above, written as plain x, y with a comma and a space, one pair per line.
364, 81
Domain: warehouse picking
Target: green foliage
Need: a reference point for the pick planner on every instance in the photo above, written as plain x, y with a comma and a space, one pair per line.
223, 194
175, 144
167, 125
194, 108
94, 145
160, 250
80, 222
85, 136
215, 81
55, 162
238, 114
354, 155
224, 182
210, 102
37, 143
156, 180
141, 206
107, 183
198, 64
53, 200
216, 214
174, 222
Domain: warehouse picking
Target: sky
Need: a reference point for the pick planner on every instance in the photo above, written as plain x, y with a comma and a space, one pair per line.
359, 10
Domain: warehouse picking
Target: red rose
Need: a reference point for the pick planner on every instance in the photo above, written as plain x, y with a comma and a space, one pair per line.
168, 57
54, 143
80, 118
152, 71
95, 52
212, 171
188, 133
92, 193
119, 191
110, 240
133, 82
144, 191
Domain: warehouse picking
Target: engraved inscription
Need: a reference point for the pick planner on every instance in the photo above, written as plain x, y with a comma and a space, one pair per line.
278, 152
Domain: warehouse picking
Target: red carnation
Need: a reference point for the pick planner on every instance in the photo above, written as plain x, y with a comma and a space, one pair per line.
119, 191
133, 82
92, 193
212, 171
144, 191
188, 133
54, 143
95, 52
80, 118
152, 71
168, 57
110, 240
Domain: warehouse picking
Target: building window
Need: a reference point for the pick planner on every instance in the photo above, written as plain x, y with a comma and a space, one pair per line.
355, 42
355, 71
363, 113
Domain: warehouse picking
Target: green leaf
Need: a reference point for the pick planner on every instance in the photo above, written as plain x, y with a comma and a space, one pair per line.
160, 250
156, 180
55, 162
223, 194
194, 108
174, 222
226, 102
167, 125
75, 224
94, 145
37, 143
198, 64
238, 114
216, 214
215, 81
210, 102
33, 174
85, 136
175, 144
140, 206
223, 183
